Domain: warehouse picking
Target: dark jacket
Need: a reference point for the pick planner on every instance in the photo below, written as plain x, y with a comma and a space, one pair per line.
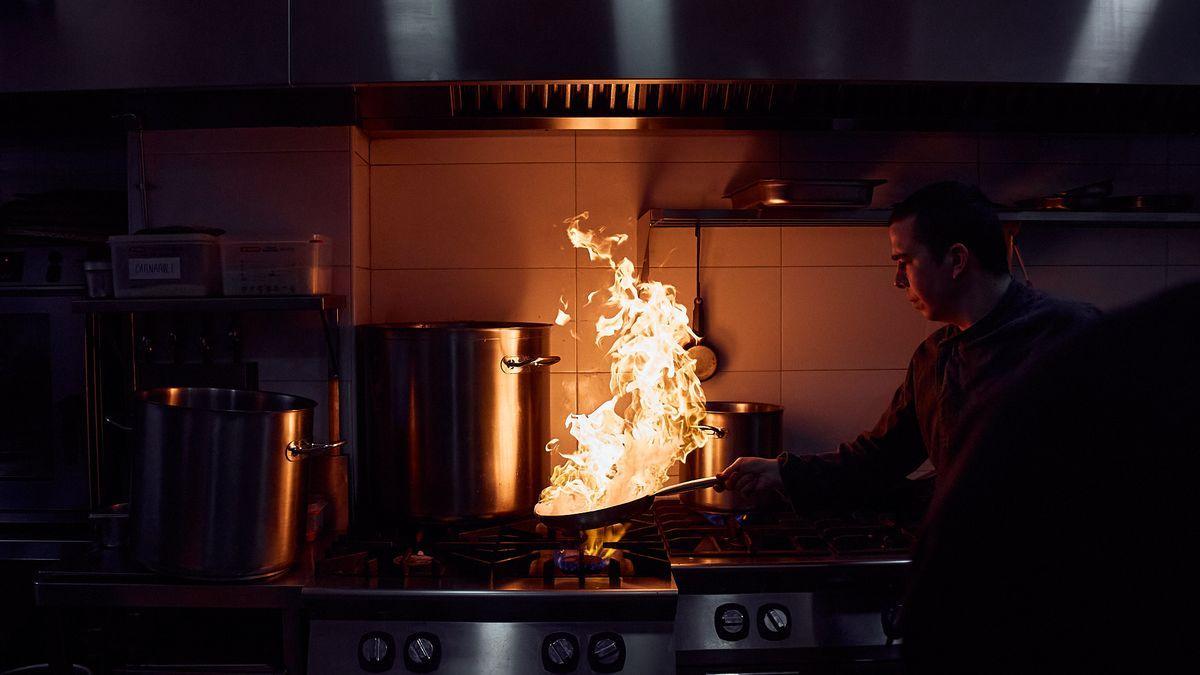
950, 370
1057, 542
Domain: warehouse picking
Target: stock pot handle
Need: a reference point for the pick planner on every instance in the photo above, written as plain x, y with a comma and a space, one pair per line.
516, 364
718, 432
302, 448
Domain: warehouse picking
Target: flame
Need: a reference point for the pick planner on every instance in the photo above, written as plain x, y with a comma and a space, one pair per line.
628, 444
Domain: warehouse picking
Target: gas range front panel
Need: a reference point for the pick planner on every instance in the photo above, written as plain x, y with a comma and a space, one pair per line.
780, 621
493, 648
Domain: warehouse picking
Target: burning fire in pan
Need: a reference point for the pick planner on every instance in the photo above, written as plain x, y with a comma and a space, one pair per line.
628, 444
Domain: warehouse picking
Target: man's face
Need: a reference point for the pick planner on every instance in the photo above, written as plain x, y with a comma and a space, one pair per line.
928, 283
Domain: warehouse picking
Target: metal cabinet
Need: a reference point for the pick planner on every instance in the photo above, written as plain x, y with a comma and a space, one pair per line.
132, 44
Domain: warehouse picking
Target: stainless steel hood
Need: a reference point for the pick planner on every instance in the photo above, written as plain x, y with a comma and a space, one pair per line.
1146, 42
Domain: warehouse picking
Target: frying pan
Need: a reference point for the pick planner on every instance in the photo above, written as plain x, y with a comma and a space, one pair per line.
619, 513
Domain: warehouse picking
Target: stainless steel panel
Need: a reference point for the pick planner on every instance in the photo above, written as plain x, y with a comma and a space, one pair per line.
125, 44
819, 619
487, 648
1079, 41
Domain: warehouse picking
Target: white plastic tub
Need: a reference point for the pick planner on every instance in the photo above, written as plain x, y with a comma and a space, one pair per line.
165, 265
276, 266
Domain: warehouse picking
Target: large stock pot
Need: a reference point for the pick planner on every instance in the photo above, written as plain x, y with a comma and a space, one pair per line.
455, 419
751, 430
217, 487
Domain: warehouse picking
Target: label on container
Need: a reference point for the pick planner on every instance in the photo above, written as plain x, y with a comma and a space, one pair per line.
154, 268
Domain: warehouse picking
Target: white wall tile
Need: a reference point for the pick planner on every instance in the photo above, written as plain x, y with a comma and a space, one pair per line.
361, 144
361, 307
847, 318
477, 295
719, 246
742, 319
1178, 275
678, 146
903, 178
1106, 287
616, 194
1074, 148
256, 193
836, 246
474, 147
1007, 183
761, 387
1049, 245
1183, 247
360, 213
256, 139
825, 408
471, 215
867, 146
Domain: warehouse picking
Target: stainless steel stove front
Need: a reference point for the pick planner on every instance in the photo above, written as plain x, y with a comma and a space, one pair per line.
493, 648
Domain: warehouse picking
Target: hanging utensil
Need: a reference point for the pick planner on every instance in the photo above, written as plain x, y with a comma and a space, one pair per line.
704, 353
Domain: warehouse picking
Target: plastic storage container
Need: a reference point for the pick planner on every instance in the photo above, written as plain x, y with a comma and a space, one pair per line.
165, 265
277, 266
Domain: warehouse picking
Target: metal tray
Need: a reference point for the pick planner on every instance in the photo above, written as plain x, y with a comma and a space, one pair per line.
824, 193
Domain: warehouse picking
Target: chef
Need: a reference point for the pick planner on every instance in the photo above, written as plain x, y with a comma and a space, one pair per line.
952, 265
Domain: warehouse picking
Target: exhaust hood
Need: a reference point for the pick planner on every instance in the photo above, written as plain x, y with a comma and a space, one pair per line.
1151, 42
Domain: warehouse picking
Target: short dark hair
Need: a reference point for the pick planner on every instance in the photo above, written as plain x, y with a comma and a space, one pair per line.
949, 213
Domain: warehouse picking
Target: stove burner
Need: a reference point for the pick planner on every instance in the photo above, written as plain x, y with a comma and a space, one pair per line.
723, 519
569, 561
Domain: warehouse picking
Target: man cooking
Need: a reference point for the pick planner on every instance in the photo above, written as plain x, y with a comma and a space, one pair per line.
952, 264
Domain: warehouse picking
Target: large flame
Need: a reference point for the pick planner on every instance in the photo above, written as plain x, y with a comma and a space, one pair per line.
628, 444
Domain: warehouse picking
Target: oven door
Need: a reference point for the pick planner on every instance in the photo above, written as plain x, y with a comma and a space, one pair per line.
43, 456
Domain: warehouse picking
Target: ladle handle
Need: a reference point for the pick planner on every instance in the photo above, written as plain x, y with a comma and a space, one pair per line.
688, 486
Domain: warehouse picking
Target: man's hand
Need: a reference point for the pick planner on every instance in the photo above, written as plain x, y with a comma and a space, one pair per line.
749, 476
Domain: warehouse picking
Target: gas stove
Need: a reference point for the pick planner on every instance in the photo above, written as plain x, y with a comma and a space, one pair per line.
510, 598
677, 590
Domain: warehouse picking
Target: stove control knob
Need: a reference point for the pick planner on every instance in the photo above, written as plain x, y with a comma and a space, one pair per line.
606, 652
774, 622
732, 621
376, 652
422, 652
560, 653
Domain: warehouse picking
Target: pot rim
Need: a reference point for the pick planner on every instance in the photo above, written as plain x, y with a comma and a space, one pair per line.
741, 408
301, 403
427, 327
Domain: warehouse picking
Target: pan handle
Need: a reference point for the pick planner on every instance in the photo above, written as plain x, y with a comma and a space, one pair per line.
688, 486
717, 432
517, 364
302, 448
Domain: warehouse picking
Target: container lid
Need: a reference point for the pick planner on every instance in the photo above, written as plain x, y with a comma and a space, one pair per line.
192, 238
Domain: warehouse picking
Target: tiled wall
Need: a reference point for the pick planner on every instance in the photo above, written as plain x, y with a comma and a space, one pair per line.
468, 226
442, 226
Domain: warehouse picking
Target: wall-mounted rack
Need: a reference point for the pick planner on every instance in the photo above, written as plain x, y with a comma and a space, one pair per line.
780, 217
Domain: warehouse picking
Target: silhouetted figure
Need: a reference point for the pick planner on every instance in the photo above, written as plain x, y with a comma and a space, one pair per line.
1062, 538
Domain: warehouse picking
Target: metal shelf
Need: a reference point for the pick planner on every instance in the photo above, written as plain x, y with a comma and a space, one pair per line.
275, 303
817, 217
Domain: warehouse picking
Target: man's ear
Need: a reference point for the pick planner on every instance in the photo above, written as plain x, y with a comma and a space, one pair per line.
957, 256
